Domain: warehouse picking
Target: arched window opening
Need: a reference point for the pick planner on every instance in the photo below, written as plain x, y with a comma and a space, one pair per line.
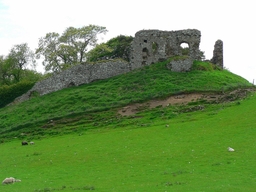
184, 48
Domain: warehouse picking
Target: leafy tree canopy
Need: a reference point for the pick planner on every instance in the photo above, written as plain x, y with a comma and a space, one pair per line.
13, 67
117, 47
68, 49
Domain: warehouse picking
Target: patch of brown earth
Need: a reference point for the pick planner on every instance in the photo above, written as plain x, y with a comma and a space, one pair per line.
184, 99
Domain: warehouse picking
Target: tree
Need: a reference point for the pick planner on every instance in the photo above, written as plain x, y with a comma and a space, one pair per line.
19, 58
80, 38
5, 72
68, 49
121, 46
48, 47
29, 75
100, 52
13, 67
117, 47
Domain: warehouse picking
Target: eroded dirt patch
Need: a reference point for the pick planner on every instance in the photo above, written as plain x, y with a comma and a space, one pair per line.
184, 99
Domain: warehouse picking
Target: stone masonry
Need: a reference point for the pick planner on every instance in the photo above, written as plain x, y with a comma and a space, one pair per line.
218, 54
151, 46
77, 75
180, 65
148, 47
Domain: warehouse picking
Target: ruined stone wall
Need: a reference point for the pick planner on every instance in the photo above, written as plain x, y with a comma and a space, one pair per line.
148, 47
77, 75
151, 46
180, 65
218, 54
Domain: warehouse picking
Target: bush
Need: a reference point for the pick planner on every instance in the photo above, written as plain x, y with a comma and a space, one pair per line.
9, 93
204, 66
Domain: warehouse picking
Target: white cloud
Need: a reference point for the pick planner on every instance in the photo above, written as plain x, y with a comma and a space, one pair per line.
230, 21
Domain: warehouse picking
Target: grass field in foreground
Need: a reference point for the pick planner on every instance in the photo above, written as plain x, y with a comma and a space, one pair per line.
189, 155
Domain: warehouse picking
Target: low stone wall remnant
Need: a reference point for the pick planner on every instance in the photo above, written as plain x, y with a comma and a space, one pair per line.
77, 75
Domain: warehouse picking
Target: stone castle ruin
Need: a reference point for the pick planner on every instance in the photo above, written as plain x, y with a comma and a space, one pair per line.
148, 47
152, 46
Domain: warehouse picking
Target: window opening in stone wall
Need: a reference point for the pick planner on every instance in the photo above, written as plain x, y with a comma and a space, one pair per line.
144, 53
154, 47
145, 41
184, 48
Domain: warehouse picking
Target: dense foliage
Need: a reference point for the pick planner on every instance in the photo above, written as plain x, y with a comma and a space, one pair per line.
62, 51
9, 93
118, 47
13, 67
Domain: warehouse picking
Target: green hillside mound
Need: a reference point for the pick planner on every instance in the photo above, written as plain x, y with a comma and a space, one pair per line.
172, 148
84, 107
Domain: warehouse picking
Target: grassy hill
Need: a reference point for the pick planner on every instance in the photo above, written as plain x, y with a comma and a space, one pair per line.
82, 143
89, 103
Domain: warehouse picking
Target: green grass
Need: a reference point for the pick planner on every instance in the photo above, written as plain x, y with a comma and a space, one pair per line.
82, 144
151, 82
189, 155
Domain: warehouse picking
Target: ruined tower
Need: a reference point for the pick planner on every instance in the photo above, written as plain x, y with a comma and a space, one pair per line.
218, 54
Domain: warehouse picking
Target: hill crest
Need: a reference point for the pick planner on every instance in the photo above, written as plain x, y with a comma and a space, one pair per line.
148, 47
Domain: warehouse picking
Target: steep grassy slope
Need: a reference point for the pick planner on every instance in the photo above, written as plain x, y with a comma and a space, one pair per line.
89, 104
142, 154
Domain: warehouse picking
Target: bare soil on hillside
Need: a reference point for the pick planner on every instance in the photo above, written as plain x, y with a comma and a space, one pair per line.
184, 99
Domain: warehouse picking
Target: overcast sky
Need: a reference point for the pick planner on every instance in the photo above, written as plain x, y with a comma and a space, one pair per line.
25, 21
